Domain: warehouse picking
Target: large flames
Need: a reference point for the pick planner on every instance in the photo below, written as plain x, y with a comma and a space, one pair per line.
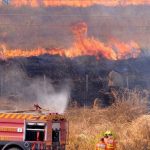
76, 3
83, 45
90, 46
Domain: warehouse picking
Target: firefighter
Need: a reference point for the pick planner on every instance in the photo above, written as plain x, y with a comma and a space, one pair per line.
105, 138
101, 145
110, 141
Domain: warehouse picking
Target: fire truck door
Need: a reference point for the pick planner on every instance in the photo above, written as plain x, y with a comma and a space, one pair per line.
55, 132
64, 132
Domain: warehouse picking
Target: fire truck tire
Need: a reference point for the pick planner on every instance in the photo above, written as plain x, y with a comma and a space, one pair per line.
12, 147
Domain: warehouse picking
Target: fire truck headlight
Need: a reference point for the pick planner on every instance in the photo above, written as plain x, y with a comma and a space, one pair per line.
26, 144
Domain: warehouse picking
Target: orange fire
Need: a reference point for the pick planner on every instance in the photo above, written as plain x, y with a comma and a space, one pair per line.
76, 3
90, 46
87, 46
83, 45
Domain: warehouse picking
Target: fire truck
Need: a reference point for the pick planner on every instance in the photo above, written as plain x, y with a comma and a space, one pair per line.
33, 130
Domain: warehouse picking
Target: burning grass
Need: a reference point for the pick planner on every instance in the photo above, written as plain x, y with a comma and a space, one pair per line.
83, 45
127, 118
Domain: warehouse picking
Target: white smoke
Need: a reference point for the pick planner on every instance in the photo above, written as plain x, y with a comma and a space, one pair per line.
54, 101
21, 92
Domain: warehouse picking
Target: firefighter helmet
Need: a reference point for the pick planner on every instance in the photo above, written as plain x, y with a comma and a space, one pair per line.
108, 133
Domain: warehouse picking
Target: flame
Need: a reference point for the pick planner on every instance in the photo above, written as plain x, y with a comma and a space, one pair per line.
115, 50
76, 3
126, 50
88, 46
83, 45
92, 47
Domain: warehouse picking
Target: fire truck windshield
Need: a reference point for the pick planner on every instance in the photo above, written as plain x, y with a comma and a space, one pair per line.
35, 132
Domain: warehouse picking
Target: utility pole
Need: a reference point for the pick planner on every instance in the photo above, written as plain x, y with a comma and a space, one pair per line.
44, 78
86, 89
1, 85
127, 80
127, 75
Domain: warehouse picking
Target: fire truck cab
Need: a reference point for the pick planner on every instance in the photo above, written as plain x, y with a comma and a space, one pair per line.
33, 131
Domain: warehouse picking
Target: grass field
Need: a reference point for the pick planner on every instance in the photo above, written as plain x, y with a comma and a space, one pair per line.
127, 118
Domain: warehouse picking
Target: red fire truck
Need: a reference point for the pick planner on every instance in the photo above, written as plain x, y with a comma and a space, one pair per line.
33, 131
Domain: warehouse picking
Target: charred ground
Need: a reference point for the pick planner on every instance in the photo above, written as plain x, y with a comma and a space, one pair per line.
59, 69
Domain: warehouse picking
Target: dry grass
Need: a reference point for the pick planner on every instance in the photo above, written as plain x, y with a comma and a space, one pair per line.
128, 119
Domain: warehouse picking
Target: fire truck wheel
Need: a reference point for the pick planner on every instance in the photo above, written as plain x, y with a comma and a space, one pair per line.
9, 147
14, 148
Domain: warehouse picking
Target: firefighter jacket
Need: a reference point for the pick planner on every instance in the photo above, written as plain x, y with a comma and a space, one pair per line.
101, 146
110, 144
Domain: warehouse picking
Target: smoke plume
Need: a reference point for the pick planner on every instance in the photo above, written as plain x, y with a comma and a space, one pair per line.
50, 28
18, 91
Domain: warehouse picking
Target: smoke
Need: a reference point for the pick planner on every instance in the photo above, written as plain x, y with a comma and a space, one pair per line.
18, 91
54, 99
51, 28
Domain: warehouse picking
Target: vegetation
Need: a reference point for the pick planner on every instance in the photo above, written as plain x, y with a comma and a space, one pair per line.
127, 118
